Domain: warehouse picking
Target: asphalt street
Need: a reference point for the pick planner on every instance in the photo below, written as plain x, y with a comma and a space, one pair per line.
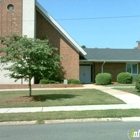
71, 131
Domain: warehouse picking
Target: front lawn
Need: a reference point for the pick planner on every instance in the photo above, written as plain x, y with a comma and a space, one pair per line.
115, 84
40, 117
130, 90
44, 98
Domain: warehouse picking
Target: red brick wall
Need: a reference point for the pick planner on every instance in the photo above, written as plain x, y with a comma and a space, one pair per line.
112, 68
10, 21
70, 60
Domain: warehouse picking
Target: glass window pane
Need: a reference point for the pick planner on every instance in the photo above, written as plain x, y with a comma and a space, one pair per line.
128, 68
134, 67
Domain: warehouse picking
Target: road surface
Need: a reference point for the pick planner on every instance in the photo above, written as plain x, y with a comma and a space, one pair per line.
70, 131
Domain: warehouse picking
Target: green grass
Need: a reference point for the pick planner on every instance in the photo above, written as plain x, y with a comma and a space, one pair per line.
130, 90
46, 98
115, 84
69, 115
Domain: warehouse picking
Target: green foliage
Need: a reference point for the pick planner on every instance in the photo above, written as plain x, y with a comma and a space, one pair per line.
73, 81
83, 46
124, 78
103, 79
30, 58
137, 82
136, 47
44, 81
52, 81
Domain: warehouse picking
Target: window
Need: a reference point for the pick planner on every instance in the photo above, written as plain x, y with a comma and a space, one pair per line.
132, 68
10, 7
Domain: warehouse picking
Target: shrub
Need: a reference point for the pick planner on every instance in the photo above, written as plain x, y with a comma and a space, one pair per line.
137, 82
124, 78
103, 79
44, 81
52, 82
73, 81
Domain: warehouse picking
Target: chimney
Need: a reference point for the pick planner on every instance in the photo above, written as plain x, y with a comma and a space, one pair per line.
138, 44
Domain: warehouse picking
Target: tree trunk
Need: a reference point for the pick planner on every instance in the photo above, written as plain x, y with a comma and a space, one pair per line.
30, 87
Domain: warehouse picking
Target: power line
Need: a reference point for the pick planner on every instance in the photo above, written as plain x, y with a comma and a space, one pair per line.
96, 18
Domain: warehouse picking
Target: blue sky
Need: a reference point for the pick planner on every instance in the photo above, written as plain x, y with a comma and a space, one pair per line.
94, 32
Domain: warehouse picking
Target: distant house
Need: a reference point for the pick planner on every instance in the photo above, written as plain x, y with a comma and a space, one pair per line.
28, 17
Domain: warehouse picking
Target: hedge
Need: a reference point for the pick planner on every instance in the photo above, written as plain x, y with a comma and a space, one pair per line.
103, 79
137, 82
124, 78
73, 81
44, 81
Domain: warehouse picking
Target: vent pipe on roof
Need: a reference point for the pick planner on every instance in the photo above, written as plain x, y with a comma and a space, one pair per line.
102, 68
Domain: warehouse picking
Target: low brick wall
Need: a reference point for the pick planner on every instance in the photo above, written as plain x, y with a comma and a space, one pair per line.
19, 86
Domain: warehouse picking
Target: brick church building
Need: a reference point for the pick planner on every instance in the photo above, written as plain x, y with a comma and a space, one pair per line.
28, 17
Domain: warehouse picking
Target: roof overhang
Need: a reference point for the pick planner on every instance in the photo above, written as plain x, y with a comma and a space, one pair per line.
53, 22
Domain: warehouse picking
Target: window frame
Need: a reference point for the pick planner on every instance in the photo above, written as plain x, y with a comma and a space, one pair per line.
131, 64
10, 7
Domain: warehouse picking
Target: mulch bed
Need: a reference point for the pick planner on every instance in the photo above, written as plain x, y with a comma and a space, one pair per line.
25, 86
21, 99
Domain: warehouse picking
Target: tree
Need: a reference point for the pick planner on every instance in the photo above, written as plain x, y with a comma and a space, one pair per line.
29, 57
136, 47
83, 46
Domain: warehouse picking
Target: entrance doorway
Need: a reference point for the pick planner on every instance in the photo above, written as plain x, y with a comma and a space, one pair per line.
85, 74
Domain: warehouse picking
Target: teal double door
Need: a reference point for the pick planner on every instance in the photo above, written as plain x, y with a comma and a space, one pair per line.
85, 74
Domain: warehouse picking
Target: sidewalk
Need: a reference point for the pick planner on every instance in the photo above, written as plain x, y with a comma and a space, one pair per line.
132, 102
69, 108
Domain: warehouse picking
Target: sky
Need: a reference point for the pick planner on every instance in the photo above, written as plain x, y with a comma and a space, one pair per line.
98, 23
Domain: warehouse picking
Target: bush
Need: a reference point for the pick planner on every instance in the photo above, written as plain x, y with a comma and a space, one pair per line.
124, 78
44, 81
47, 81
73, 81
137, 82
52, 82
103, 79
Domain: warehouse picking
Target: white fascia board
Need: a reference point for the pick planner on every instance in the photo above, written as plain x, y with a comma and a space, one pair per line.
28, 18
90, 60
60, 29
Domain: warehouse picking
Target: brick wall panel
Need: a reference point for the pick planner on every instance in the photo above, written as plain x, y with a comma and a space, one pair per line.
70, 60
11, 21
112, 68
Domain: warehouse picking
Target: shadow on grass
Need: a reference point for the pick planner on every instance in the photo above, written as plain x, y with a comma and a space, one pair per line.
52, 97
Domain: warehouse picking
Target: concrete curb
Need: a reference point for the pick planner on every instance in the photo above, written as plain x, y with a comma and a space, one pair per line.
18, 123
123, 119
131, 119
82, 120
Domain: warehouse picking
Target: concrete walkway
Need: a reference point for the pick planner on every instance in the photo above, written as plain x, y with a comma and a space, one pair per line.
128, 98
132, 102
68, 108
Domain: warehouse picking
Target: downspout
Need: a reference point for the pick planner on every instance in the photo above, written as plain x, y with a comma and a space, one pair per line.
102, 68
